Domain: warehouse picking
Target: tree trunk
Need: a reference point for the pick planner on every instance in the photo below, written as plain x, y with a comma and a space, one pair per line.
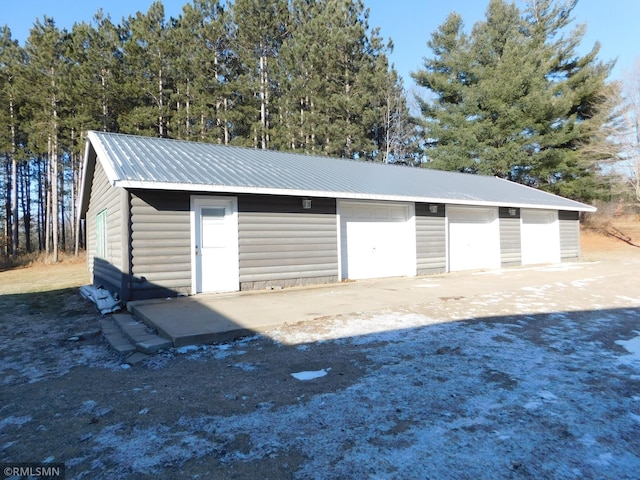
14, 206
264, 103
47, 193
25, 188
161, 130
187, 112
54, 174
14, 184
76, 217
61, 218
7, 216
41, 205
105, 105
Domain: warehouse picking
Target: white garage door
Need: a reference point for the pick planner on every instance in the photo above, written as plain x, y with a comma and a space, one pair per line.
474, 238
540, 236
377, 240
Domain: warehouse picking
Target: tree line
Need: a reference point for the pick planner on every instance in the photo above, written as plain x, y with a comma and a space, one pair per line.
305, 76
512, 98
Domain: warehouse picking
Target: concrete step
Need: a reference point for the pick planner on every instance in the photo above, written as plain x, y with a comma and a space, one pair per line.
153, 345
138, 334
136, 357
130, 327
115, 337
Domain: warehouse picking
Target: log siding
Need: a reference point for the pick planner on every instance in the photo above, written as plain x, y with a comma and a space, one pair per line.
106, 271
569, 235
160, 244
431, 239
282, 244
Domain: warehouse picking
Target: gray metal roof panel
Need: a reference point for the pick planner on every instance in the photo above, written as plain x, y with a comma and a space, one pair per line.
162, 163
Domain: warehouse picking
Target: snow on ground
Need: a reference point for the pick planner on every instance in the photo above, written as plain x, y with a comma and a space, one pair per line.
541, 388
439, 400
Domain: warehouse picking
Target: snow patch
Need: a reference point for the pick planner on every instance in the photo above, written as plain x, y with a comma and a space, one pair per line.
632, 346
310, 375
359, 330
12, 420
187, 349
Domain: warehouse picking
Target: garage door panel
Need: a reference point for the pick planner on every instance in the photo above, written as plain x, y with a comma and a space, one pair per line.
540, 237
474, 241
376, 241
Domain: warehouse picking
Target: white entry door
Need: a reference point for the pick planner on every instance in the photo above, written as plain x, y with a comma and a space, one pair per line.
215, 244
540, 237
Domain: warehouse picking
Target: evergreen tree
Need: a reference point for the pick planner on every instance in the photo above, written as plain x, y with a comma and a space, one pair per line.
148, 51
336, 82
513, 97
262, 27
346, 74
45, 76
12, 62
98, 55
206, 67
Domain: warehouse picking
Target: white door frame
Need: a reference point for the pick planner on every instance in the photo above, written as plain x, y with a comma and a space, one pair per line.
231, 211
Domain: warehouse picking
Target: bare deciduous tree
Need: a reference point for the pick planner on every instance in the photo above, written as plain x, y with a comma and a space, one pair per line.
631, 91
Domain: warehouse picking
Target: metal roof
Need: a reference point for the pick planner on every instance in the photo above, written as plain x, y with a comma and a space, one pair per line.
156, 163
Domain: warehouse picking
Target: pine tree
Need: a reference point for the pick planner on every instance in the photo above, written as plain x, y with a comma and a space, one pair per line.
148, 58
512, 97
45, 76
205, 72
12, 61
336, 83
262, 27
98, 54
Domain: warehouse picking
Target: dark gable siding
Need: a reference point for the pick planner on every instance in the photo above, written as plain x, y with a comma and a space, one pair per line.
431, 238
107, 271
569, 234
160, 243
281, 244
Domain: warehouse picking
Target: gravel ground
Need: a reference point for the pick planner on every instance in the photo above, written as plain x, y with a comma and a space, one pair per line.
540, 381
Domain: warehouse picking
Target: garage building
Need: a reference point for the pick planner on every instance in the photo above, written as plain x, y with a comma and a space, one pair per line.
168, 217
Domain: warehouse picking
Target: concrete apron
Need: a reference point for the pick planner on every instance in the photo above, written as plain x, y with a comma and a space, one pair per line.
210, 318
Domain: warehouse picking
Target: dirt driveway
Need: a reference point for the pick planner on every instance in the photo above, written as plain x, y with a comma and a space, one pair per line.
536, 378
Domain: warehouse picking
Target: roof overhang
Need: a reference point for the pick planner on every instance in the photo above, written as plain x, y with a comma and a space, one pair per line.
190, 187
88, 167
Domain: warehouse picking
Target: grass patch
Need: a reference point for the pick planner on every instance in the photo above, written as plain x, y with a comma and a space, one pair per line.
63, 303
38, 258
49, 302
44, 277
45, 289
